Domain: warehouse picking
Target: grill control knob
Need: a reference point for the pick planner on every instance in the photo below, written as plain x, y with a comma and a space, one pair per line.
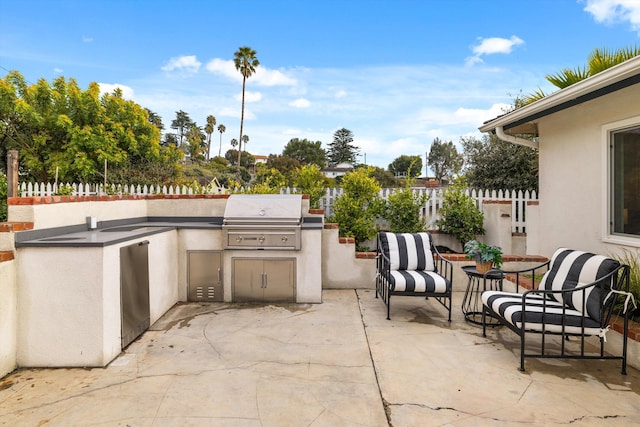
284, 239
261, 239
239, 239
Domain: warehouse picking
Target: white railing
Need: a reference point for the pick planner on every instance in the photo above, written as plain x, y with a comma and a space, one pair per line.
429, 212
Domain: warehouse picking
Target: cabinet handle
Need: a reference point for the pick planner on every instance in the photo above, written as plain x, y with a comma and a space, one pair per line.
219, 276
266, 280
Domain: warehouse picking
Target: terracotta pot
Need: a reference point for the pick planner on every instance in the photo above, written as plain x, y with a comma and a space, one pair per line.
483, 267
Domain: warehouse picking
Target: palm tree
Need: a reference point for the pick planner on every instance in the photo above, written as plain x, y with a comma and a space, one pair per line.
221, 129
209, 129
598, 60
245, 139
246, 62
234, 142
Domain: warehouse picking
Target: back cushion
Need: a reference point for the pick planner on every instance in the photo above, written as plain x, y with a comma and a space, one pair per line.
408, 251
569, 269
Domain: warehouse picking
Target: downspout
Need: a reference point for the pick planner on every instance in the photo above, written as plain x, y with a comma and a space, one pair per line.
514, 139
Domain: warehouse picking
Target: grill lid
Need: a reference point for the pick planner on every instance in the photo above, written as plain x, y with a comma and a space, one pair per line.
263, 209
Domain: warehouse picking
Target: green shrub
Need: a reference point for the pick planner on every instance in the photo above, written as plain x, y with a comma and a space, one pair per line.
460, 216
3, 197
309, 180
355, 210
402, 209
632, 259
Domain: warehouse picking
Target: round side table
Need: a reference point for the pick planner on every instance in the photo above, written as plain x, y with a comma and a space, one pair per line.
472, 303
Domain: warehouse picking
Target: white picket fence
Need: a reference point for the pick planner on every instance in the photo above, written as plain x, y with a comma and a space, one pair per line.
429, 212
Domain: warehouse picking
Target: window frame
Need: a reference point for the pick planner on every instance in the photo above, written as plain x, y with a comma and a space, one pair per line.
608, 180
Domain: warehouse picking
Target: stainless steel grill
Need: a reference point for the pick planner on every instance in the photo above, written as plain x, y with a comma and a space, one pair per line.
263, 221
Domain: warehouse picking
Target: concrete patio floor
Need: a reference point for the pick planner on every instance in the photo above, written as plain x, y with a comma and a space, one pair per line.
339, 363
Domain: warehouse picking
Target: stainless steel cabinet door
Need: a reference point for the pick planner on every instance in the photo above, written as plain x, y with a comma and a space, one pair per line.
204, 276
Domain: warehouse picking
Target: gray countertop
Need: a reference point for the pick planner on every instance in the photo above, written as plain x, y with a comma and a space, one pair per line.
105, 236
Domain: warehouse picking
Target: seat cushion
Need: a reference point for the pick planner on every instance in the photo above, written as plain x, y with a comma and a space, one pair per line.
417, 281
569, 269
538, 313
408, 251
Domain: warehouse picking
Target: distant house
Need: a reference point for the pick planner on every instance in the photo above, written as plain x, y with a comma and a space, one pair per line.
260, 159
337, 170
588, 137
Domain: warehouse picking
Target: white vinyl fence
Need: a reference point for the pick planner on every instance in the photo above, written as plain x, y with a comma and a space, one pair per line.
519, 199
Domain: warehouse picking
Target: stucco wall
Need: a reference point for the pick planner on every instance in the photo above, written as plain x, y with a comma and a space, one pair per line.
573, 175
8, 317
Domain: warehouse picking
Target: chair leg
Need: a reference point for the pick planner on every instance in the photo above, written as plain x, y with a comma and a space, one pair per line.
388, 306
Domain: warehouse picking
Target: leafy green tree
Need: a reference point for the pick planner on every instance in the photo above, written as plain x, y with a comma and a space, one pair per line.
246, 158
221, 129
155, 119
444, 160
406, 166
196, 142
60, 128
209, 128
597, 61
403, 207
384, 177
355, 209
342, 150
493, 164
246, 62
309, 180
459, 215
306, 152
285, 164
268, 181
181, 124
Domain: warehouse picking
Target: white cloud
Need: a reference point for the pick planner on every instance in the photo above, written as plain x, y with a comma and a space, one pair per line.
614, 11
58, 70
300, 103
492, 45
127, 92
262, 77
340, 94
86, 39
188, 64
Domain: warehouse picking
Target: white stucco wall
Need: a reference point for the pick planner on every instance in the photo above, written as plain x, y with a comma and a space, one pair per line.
340, 267
69, 310
573, 175
8, 317
73, 213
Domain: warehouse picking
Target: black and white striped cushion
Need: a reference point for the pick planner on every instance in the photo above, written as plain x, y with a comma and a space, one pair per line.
417, 281
509, 306
408, 251
569, 269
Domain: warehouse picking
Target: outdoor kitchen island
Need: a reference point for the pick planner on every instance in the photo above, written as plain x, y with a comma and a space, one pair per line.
70, 302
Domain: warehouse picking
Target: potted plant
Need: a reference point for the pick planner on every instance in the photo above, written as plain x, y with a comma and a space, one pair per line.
486, 256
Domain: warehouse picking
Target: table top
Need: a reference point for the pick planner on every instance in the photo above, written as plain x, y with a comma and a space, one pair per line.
491, 274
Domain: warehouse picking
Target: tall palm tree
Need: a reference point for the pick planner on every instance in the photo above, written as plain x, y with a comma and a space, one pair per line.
245, 139
234, 142
221, 129
246, 62
209, 129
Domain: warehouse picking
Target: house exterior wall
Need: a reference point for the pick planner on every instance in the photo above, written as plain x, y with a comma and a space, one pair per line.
574, 172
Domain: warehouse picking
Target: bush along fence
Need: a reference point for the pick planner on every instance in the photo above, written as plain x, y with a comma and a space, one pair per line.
518, 199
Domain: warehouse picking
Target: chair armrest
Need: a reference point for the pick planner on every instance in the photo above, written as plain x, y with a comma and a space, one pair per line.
521, 274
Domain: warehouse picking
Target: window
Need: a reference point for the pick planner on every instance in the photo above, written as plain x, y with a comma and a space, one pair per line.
625, 181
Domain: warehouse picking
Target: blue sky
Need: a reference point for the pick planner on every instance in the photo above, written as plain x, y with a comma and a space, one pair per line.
396, 73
